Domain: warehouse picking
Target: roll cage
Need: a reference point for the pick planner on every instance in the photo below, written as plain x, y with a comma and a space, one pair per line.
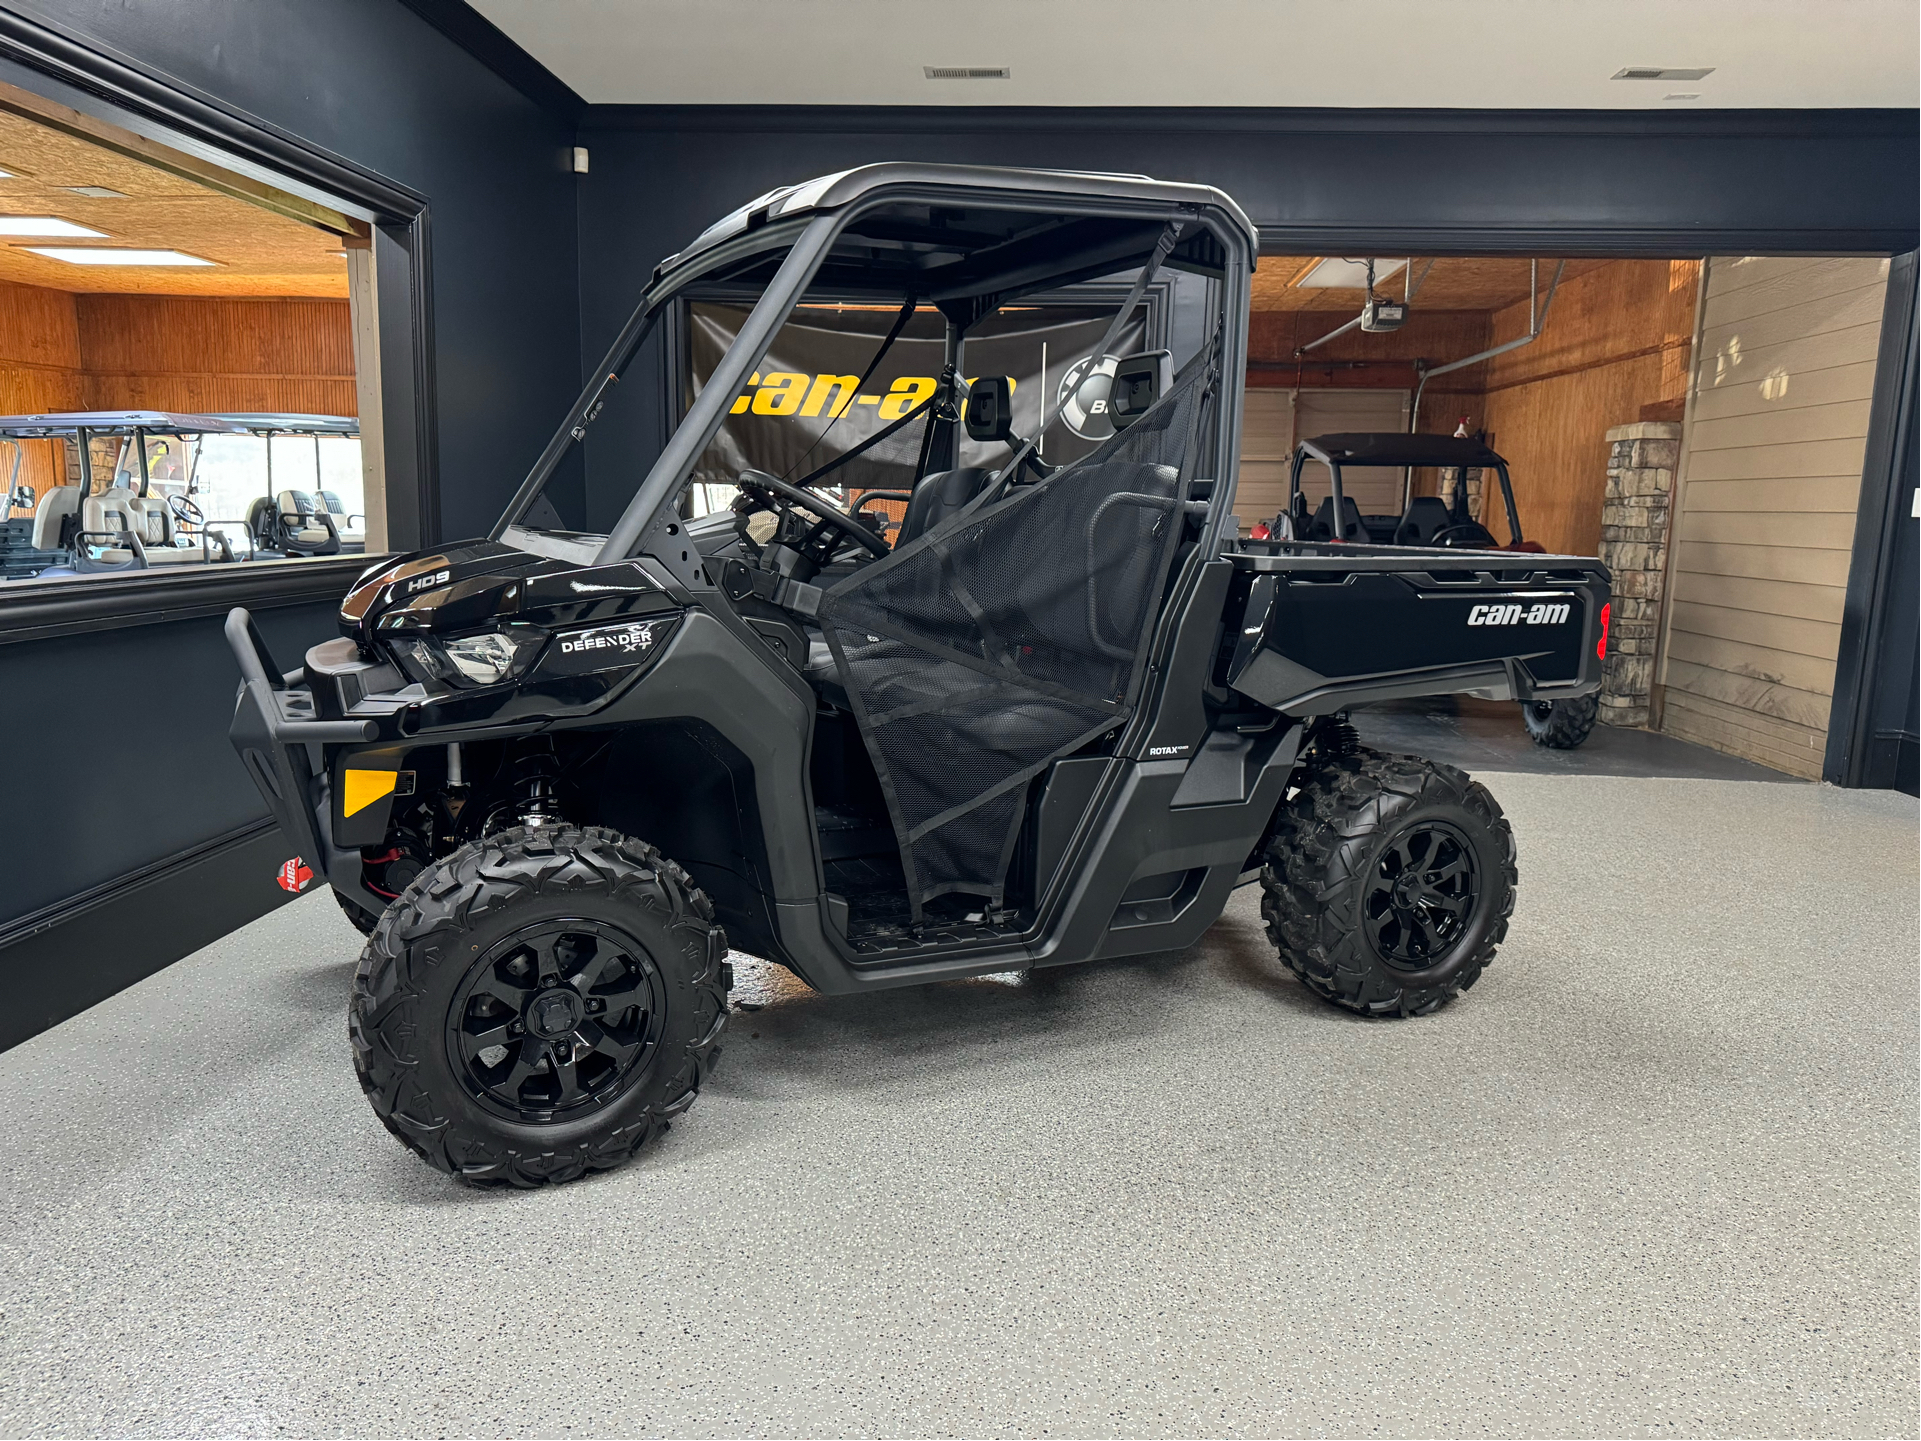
964, 239
1396, 450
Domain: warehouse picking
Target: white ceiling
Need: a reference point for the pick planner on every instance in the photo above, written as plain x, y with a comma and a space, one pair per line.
1536, 54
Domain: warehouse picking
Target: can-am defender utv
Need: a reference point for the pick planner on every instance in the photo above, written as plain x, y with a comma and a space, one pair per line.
1558, 722
1061, 718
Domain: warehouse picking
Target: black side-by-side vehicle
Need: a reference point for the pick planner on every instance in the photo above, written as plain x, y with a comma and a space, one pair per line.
556, 775
1558, 722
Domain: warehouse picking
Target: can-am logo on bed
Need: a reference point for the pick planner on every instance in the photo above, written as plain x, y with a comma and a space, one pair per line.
1541, 613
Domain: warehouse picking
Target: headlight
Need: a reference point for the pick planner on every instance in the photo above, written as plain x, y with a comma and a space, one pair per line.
485, 659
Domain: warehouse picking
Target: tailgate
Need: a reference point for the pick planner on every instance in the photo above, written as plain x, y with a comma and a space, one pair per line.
1323, 627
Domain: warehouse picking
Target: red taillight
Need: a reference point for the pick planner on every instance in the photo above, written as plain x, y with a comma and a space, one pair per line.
1601, 648
1261, 531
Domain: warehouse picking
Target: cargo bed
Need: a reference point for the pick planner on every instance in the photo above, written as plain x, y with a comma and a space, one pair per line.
1323, 626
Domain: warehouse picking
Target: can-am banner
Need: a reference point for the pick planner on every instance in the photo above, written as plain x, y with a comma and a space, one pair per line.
806, 404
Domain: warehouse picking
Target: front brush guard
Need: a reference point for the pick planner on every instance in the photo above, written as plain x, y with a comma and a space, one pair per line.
282, 746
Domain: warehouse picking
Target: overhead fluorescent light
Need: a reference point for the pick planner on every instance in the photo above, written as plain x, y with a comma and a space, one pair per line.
1683, 95
114, 255
95, 192
1333, 273
46, 225
967, 72
1660, 72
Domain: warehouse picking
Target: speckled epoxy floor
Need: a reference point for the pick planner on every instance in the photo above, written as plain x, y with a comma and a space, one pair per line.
1656, 1175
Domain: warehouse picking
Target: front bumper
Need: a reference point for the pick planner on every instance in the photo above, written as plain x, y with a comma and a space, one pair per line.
282, 744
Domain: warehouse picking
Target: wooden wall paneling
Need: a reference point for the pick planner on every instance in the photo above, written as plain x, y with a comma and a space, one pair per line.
194, 353
62, 351
39, 371
1765, 516
1616, 341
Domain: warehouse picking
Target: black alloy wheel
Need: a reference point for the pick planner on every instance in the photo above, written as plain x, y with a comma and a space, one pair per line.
1421, 896
539, 1004
555, 1018
1388, 881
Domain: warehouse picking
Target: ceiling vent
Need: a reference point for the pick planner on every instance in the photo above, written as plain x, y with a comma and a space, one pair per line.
967, 72
1658, 72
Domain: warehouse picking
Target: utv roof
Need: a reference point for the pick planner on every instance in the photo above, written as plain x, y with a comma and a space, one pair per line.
161, 422
993, 183
278, 424
1396, 448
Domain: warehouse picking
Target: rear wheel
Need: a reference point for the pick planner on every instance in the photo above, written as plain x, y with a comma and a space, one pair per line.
1388, 882
539, 1005
1560, 724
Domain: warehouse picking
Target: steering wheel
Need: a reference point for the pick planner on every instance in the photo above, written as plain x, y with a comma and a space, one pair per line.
186, 511
822, 509
1470, 535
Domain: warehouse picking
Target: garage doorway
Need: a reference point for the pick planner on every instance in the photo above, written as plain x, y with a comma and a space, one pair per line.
1700, 423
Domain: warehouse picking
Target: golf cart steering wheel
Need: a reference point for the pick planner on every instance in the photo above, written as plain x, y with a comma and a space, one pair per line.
1471, 535
186, 511
817, 506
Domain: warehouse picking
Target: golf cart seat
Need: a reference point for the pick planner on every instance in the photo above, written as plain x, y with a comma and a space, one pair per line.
939, 496
344, 527
301, 525
56, 518
114, 511
157, 532
1322, 527
1426, 518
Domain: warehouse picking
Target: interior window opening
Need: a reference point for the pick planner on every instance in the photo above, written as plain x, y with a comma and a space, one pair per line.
196, 391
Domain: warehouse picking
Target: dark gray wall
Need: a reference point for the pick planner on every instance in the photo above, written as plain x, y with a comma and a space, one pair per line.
1816, 182
130, 768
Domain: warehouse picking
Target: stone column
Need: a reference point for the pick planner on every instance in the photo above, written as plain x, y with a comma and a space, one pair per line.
1634, 545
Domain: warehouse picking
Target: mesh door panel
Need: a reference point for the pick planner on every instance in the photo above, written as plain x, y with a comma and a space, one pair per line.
1009, 636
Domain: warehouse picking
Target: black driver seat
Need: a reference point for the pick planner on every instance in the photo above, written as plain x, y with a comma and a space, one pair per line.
1426, 518
937, 497
943, 494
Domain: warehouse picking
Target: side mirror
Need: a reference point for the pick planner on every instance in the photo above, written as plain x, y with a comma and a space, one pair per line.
23, 497
1139, 381
990, 409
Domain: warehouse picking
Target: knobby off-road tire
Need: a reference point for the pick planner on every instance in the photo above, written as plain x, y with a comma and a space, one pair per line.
363, 919
1562, 724
1388, 882
539, 1004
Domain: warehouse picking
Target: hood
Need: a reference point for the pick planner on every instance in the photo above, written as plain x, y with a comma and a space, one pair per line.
472, 584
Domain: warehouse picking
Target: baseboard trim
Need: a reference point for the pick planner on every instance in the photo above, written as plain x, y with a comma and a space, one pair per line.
104, 941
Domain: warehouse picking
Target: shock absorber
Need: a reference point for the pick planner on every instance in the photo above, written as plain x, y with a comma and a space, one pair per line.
1335, 737
536, 784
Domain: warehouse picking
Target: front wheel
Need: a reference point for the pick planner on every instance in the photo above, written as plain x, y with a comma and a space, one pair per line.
1560, 724
539, 1004
1388, 882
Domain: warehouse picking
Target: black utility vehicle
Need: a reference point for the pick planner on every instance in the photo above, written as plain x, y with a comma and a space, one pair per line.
1062, 717
1425, 520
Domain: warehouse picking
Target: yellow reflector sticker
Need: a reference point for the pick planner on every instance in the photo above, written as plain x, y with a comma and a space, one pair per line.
363, 788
